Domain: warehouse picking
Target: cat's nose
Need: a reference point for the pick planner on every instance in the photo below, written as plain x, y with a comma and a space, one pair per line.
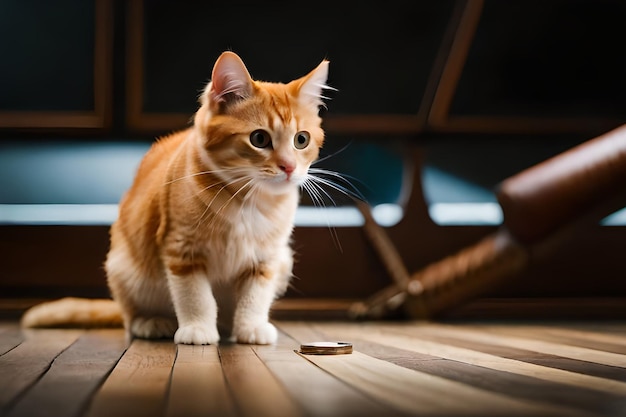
287, 168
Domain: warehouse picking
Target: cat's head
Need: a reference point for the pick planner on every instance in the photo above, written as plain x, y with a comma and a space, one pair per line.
268, 133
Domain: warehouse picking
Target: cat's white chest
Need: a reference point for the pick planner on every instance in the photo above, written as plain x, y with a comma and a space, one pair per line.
253, 237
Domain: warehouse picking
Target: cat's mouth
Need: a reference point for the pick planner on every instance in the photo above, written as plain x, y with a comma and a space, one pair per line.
283, 181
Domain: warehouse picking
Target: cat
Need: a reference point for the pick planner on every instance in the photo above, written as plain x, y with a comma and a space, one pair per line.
210, 213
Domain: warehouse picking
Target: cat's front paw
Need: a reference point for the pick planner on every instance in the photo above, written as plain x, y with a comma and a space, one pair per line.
262, 334
197, 334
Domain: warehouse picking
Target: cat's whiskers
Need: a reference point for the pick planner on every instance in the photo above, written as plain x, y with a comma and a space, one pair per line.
221, 218
316, 193
210, 203
321, 192
184, 177
196, 174
232, 197
216, 213
353, 191
315, 185
215, 172
251, 195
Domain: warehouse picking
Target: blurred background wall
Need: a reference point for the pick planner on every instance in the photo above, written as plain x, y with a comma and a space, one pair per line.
436, 103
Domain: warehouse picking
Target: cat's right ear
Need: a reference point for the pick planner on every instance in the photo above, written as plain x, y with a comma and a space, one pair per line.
230, 79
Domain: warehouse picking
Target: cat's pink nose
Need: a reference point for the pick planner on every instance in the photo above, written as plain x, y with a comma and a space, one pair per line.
287, 168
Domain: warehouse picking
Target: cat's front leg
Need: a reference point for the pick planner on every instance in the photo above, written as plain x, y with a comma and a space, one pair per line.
196, 309
251, 322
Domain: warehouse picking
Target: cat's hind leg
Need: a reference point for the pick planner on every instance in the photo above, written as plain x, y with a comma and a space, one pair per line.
153, 327
142, 295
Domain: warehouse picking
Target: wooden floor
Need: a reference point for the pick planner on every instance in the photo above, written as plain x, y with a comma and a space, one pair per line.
470, 369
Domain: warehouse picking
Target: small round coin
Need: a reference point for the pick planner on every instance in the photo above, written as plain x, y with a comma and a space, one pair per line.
326, 348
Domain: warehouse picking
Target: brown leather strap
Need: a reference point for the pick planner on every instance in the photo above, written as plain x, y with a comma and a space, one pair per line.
549, 195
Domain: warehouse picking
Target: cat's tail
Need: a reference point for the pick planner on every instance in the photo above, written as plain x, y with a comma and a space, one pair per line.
74, 312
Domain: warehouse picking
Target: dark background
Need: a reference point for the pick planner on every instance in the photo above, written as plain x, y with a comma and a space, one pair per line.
478, 90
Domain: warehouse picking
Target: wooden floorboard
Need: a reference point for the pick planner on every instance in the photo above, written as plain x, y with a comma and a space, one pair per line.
503, 383
586, 339
22, 366
318, 392
138, 385
255, 389
198, 386
396, 369
66, 388
10, 337
506, 370
417, 391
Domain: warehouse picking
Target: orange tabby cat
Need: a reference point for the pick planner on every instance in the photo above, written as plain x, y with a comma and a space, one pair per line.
210, 212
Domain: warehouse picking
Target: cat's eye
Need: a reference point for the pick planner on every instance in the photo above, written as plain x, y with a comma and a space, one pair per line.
260, 139
302, 139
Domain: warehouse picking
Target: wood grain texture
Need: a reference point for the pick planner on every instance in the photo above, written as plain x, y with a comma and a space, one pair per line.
319, 393
10, 337
528, 341
256, 391
414, 391
198, 387
23, 365
416, 339
590, 339
397, 369
515, 367
422, 393
139, 383
506, 383
66, 388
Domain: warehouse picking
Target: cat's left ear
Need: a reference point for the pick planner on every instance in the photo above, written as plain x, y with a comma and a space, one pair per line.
230, 79
312, 85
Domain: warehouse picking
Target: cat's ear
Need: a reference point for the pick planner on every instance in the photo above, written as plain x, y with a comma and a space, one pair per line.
312, 85
230, 79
